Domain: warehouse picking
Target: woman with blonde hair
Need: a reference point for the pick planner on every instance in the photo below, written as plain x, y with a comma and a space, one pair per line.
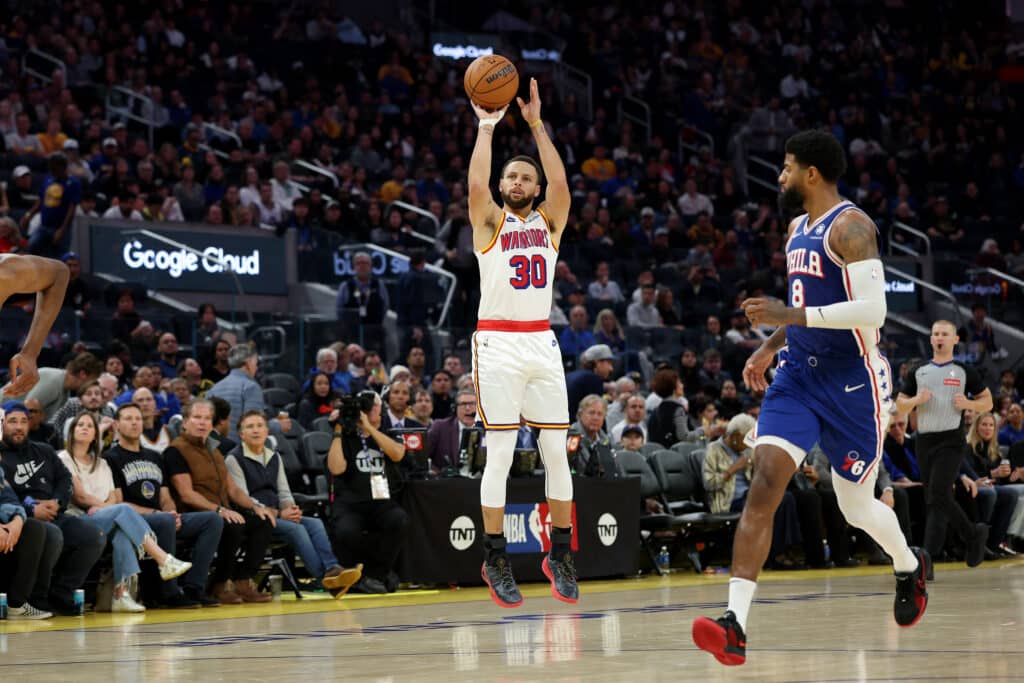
94, 495
1002, 510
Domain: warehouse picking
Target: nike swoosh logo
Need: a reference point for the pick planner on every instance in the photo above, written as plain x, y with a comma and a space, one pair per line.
849, 388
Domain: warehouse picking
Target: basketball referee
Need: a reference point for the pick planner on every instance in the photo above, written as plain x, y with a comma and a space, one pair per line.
939, 389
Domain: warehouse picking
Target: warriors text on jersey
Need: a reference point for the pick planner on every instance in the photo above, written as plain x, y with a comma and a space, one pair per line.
517, 270
817, 278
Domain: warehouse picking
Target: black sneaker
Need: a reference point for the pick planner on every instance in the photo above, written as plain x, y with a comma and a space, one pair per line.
911, 591
497, 574
369, 585
180, 601
562, 575
976, 546
199, 596
724, 638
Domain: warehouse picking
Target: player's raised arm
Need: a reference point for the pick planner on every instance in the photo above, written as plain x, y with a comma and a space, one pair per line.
49, 279
557, 197
484, 213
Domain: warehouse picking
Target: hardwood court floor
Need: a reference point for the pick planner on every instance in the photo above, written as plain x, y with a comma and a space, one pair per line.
806, 626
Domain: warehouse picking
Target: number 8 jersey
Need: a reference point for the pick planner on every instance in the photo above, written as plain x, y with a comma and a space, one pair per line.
517, 270
817, 278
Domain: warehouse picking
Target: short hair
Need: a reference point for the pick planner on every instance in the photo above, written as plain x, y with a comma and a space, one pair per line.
464, 392
526, 159
943, 321
325, 351
589, 400
87, 363
247, 414
88, 385
186, 410
664, 382
126, 406
221, 409
742, 423
239, 355
712, 354
821, 150
442, 371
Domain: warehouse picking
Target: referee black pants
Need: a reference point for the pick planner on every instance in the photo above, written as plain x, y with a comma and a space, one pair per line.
939, 455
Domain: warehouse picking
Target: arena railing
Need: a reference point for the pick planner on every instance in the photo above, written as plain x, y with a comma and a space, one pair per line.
421, 211
35, 55
211, 130
124, 103
572, 81
313, 168
754, 161
641, 119
903, 227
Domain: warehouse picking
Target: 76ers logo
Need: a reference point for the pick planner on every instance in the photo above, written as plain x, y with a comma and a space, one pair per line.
854, 465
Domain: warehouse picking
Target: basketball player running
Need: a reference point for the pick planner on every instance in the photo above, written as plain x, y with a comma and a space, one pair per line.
517, 365
832, 386
48, 278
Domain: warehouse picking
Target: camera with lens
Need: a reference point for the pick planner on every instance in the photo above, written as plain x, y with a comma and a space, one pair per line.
350, 407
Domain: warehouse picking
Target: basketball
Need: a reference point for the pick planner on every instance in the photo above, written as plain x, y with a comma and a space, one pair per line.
491, 81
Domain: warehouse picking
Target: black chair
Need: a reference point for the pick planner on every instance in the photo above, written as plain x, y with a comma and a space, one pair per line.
276, 399
634, 464
174, 426
282, 380
682, 480
322, 424
685, 447
314, 449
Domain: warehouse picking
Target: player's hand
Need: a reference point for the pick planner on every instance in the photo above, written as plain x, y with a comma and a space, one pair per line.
768, 311
887, 498
961, 402
923, 396
531, 109
754, 369
24, 375
489, 118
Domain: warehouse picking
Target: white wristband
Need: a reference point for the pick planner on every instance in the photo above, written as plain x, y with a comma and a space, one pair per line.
489, 122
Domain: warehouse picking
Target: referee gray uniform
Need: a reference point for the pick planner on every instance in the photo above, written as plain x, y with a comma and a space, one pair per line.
941, 445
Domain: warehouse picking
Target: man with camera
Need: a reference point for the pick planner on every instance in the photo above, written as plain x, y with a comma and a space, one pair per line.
361, 462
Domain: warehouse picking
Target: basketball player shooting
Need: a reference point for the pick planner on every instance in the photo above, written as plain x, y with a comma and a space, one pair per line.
517, 364
49, 279
832, 386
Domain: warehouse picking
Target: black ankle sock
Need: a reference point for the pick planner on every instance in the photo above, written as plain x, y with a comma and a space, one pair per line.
561, 540
494, 546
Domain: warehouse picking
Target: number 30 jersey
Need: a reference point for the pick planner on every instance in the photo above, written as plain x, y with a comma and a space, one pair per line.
517, 270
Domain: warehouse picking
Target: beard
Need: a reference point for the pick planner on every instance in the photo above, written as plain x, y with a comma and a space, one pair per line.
516, 204
791, 200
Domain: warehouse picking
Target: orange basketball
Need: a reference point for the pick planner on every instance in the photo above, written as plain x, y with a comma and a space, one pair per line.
491, 81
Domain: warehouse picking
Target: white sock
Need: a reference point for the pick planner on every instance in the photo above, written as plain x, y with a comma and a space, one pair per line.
741, 594
862, 510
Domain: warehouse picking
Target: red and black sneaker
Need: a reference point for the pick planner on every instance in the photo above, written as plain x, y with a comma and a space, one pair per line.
911, 591
724, 638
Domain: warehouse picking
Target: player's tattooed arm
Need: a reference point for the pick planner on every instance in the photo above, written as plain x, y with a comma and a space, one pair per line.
854, 237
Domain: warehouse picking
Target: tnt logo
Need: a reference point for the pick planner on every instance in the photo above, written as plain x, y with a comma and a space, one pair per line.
607, 529
527, 528
413, 442
462, 533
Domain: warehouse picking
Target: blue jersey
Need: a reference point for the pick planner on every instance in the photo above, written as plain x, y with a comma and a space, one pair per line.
817, 278
59, 197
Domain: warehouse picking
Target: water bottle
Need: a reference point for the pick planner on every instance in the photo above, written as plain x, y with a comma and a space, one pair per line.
664, 560
828, 552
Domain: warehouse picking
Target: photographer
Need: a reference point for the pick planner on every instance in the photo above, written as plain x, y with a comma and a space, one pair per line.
358, 462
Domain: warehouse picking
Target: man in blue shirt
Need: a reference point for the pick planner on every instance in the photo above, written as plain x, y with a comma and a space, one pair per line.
1013, 430
59, 197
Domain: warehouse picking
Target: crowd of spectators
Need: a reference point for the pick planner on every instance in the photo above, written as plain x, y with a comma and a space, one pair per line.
660, 246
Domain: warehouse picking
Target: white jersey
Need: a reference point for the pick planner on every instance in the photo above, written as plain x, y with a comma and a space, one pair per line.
517, 270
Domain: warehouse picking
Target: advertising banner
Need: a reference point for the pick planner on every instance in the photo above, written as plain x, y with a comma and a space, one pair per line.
256, 257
